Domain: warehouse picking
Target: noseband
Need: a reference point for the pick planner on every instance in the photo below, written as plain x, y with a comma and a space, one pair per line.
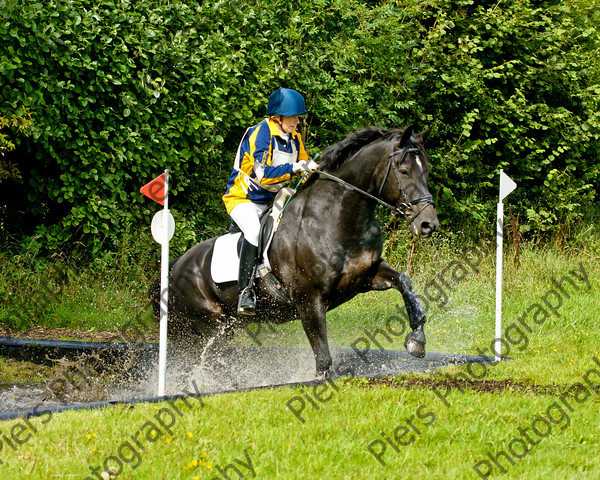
405, 207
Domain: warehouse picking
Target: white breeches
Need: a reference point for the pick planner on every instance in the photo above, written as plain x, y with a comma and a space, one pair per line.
247, 216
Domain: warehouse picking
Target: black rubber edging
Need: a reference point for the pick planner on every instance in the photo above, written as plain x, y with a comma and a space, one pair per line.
133, 401
42, 351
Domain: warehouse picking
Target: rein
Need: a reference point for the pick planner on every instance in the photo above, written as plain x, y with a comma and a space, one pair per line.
402, 209
356, 189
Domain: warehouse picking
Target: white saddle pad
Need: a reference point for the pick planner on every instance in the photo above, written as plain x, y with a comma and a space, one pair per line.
225, 264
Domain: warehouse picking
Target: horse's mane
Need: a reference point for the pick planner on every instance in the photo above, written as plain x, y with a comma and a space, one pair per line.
335, 155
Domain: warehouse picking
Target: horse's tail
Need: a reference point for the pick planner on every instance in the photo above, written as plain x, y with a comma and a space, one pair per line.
154, 294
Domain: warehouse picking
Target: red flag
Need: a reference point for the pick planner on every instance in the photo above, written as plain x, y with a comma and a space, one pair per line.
155, 189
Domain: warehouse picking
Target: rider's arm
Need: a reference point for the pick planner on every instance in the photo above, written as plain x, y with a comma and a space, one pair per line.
261, 151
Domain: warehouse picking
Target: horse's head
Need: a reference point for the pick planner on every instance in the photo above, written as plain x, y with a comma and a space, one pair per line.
401, 177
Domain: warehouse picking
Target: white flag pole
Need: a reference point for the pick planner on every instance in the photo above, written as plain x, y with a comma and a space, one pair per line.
506, 186
164, 294
499, 243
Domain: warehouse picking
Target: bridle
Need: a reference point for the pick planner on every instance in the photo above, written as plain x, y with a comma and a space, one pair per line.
404, 208
406, 205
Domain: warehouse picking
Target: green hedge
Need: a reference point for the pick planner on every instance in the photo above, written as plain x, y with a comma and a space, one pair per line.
121, 90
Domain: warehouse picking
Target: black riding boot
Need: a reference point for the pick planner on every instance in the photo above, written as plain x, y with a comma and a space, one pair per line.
247, 297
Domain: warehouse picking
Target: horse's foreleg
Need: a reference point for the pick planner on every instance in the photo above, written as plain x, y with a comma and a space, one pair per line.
315, 326
386, 278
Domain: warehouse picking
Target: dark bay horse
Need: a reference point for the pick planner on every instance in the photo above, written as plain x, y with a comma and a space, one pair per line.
327, 249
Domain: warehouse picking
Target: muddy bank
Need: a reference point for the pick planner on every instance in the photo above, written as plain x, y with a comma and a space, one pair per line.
480, 386
70, 334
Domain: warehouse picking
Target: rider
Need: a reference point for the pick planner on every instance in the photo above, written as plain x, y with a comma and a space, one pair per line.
269, 154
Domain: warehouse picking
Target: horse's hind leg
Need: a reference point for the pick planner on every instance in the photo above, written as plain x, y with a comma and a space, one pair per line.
386, 278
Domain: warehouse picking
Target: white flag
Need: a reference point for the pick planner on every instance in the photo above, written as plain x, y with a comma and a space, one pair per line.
506, 185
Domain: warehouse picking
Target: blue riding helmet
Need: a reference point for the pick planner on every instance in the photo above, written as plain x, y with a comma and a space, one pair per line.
286, 102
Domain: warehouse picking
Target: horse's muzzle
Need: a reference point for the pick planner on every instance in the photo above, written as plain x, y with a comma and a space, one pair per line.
426, 224
427, 228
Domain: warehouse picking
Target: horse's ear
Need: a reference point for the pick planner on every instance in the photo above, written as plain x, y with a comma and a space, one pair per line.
406, 134
424, 135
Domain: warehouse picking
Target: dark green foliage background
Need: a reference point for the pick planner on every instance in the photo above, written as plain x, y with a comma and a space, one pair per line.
121, 90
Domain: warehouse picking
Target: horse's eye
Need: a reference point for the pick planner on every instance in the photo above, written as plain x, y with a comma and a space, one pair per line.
404, 172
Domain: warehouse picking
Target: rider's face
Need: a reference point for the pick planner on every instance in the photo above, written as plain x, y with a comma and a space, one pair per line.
289, 124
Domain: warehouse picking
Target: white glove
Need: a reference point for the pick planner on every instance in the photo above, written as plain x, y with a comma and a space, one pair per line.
309, 166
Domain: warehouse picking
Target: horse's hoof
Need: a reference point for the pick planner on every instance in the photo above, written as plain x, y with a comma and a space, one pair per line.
414, 347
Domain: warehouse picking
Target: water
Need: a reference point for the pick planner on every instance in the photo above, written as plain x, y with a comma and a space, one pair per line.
240, 368
13, 396
79, 382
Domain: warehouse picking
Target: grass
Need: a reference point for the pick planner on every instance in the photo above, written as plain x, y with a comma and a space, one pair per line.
332, 443
107, 292
12, 370
447, 438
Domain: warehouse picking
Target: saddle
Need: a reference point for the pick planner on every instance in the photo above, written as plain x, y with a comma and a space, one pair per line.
269, 223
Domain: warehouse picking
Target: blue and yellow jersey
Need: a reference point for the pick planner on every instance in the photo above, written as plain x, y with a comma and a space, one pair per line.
263, 163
